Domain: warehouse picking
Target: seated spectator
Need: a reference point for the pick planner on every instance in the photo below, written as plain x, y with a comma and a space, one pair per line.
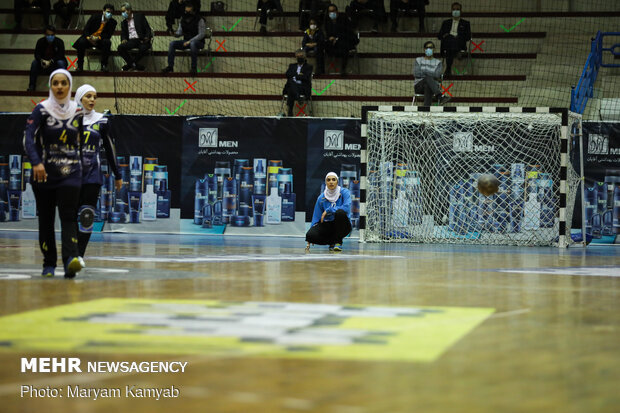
298, 80
49, 55
427, 72
135, 34
192, 27
266, 10
176, 10
19, 5
313, 44
97, 33
374, 8
408, 6
454, 35
65, 9
340, 38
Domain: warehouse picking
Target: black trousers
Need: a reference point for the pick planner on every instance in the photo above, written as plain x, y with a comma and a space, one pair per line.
66, 199
294, 91
430, 88
18, 5
103, 45
124, 48
88, 196
65, 11
450, 47
265, 6
332, 232
417, 5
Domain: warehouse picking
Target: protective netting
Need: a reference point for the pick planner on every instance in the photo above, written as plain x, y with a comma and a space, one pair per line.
423, 170
522, 53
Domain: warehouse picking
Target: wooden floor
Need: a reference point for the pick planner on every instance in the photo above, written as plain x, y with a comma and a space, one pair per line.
476, 329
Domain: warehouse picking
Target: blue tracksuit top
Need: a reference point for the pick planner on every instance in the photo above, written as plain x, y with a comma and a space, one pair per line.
93, 137
322, 204
55, 143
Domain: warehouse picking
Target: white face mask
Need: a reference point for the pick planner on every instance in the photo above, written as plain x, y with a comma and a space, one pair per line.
333, 15
428, 52
456, 13
313, 27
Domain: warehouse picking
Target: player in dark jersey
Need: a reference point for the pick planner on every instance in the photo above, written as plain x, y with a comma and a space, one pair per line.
51, 142
96, 135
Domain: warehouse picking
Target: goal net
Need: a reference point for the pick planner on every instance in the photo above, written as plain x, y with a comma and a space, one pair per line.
422, 168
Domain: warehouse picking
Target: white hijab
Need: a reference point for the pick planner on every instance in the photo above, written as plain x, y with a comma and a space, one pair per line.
90, 116
60, 109
332, 195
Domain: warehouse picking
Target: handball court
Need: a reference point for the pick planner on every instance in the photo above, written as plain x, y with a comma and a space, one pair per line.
266, 327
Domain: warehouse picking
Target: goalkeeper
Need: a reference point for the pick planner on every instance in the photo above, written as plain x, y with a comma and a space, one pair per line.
330, 221
427, 72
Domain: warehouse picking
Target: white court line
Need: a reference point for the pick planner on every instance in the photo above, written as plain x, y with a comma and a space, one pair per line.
510, 313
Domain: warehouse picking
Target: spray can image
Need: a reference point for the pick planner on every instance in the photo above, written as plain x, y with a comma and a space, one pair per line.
260, 177
272, 174
354, 188
222, 171
230, 199
246, 188
348, 173
199, 200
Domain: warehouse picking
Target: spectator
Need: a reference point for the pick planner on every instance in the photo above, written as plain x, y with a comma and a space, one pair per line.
97, 33
372, 7
427, 72
266, 10
176, 10
65, 9
19, 5
454, 35
408, 6
340, 37
315, 7
313, 44
49, 55
298, 80
135, 34
192, 28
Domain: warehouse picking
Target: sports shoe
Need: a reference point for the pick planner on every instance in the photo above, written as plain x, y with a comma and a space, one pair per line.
337, 248
167, 69
73, 266
331, 247
444, 100
48, 271
104, 68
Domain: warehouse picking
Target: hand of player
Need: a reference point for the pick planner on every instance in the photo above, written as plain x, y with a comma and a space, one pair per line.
124, 41
118, 184
38, 173
186, 44
323, 216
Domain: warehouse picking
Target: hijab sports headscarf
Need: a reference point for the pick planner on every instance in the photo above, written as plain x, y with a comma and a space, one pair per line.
60, 109
332, 195
90, 116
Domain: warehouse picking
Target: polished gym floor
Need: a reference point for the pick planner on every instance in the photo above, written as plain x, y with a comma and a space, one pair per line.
266, 327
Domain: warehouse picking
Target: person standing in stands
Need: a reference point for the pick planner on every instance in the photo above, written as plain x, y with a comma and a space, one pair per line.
192, 28
19, 5
96, 135
65, 9
49, 55
454, 35
52, 143
97, 33
176, 8
135, 34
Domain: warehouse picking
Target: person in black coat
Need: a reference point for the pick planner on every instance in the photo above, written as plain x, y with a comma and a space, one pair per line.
97, 33
135, 34
176, 9
298, 80
454, 35
49, 55
408, 6
65, 9
313, 44
340, 37
19, 5
267, 9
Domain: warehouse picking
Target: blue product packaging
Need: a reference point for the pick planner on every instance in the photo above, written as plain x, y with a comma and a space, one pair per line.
134, 200
456, 203
27, 173
15, 198
217, 213
354, 188
616, 209
149, 166
590, 207
212, 188
160, 174
230, 199
222, 171
237, 165
285, 175
163, 201
135, 179
545, 196
199, 200
246, 187
601, 197
240, 221
4, 186
121, 204
348, 173
288, 203
116, 217
260, 177
15, 178
258, 207
501, 217
273, 168
207, 215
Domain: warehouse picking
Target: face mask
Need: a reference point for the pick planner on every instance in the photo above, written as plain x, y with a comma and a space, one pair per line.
300, 60
50, 38
313, 27
333, 15
107, 14
125, 15
429, 52
456, 13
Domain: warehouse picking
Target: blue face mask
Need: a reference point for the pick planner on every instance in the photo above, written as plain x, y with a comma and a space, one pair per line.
428, 52
50, 38
333, 15
125, 15
456, 13
107, 14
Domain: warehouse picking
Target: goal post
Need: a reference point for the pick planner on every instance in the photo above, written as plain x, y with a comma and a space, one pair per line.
420, 167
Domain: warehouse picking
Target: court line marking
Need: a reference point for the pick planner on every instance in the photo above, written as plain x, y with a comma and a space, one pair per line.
510, 313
